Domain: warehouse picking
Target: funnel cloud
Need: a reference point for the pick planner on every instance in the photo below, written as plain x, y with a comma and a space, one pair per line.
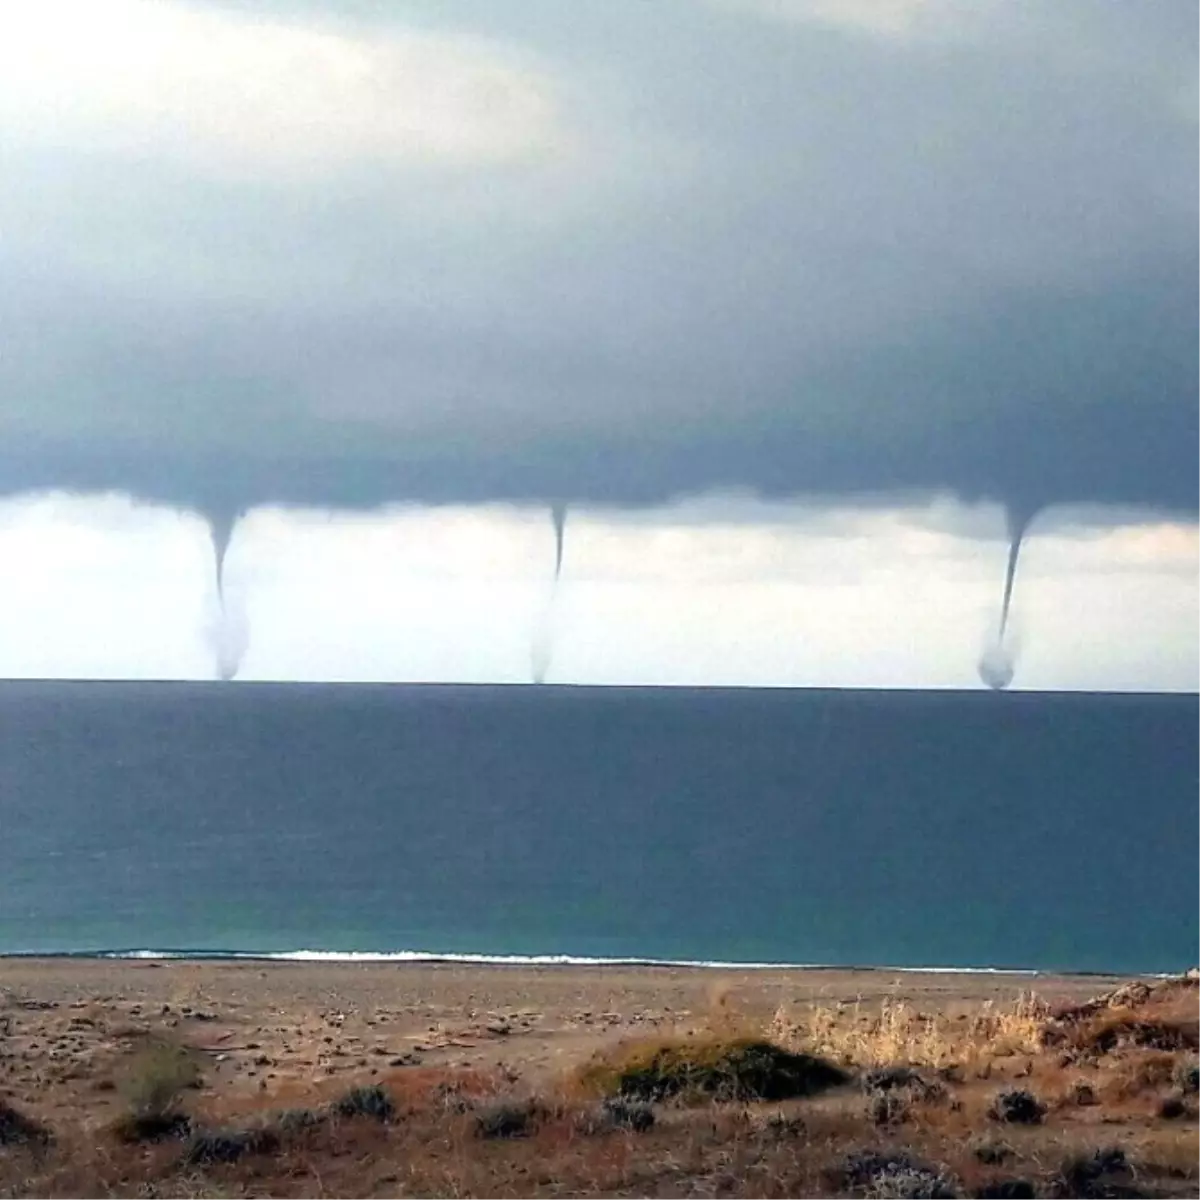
542, 651
999, 662
230, 635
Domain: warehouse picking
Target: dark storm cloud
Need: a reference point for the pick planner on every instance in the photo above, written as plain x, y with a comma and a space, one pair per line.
782, 257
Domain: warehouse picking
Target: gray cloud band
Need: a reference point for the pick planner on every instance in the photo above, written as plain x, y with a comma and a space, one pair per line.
791, 258
1031, 402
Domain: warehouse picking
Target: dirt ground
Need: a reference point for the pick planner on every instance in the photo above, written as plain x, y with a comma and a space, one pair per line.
64, 1023
266, 1037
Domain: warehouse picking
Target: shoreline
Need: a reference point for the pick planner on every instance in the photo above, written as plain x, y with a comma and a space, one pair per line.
564, 961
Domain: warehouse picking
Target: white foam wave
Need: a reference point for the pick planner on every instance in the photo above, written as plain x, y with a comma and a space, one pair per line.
537, 960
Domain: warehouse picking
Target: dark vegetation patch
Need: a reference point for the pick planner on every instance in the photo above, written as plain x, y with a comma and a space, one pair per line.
1114, 1030
1007, 1189
371, 1102
296, 1120
509, 1119
19, 1129
1158, 1016
619, 1113
1017, 1108
1102, 1175
1187, 1076
908, 1080
735, 1069
228, 1145
888, 1108
151, 1127
1133, 996
992, 1152
886, 1175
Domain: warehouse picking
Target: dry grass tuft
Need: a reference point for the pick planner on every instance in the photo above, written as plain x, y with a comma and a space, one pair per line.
1140, 1073
371, 1102
155, 1075
510, 1118
899, 1033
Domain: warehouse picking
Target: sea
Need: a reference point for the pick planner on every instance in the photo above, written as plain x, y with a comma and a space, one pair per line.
902, 829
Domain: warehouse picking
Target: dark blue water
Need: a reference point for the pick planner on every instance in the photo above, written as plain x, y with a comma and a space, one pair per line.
848, 827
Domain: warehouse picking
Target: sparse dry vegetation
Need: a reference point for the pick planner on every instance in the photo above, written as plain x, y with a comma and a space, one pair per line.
152, 1081
1009, 1101
898, 1033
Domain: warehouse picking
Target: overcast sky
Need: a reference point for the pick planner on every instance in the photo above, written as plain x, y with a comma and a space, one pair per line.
792, 301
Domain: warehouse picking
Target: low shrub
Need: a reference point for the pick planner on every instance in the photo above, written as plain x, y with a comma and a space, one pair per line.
1007, 1189
993, 1153
371, 1102
613, 1114
152, 1081
1118, 1028
1139, 1072
781, 1127
914, 1184
884, 1080
1017, 1108
19, 1129
1187, 1076
228, 1145
894, 1176
151, 1127
1098, 1176
1079, 1173
888, 1108
738, 1069
296, 1120
508, 1119
628, 1114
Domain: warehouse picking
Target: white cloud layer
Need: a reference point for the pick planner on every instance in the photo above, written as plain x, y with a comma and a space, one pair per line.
227, 93
890, 19
790, 596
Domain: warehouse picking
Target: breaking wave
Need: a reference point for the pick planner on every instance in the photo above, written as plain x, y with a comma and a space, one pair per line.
514, 960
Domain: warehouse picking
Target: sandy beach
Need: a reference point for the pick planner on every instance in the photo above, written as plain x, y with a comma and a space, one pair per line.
248, 1078
275, 1026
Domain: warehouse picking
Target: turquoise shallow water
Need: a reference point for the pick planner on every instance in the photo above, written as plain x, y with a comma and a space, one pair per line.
952, 829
